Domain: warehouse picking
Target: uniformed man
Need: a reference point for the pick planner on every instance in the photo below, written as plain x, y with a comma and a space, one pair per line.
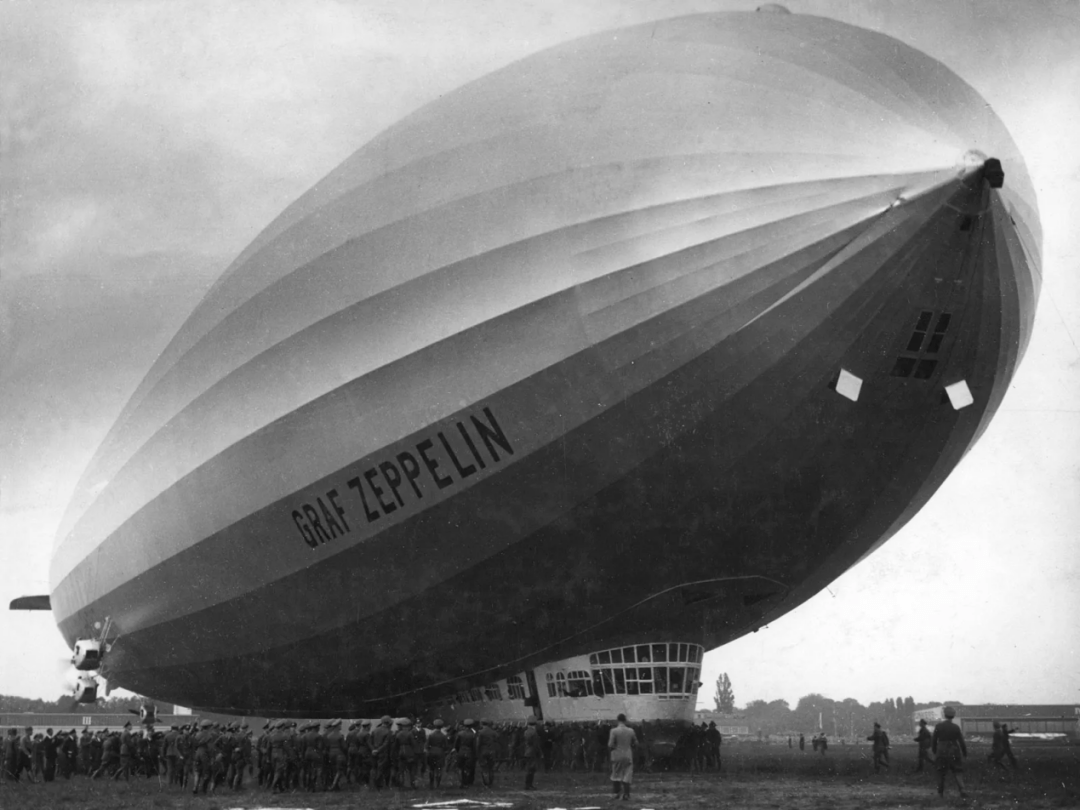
203, 759
85, 743
435, 748
802, 742
1005, 732
950, 750
367, 763
923, 739
487, 751
533, 753
405, 754
465, 748
338, 754
716, 740
880, 747
381, 744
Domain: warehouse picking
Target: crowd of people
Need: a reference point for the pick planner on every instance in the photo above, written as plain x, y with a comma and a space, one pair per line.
323, 756
314, 756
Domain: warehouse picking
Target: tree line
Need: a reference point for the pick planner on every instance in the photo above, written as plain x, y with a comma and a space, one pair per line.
815, 712
65, 704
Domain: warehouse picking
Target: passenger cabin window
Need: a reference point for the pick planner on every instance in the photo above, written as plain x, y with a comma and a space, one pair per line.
616, 672
493, 692
515, 688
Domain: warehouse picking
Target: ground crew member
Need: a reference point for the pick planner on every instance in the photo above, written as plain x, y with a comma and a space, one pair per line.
881, 746
363, 740
338, 754
715, 740
950, 750
381, 741
487, 751
172, 755
203, 742
279, 758
802, 743
533, 753
110, 755
923, 740
241, 757
404, 745
1005, 732
352, 752
435, 748
465, 746
621, 744
86, 740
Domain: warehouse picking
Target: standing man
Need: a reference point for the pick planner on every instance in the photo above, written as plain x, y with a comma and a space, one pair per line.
465, 745
715, 740
406, 754
802, 742
487, 751
881, 746
949, 749
923, 741
435, 748
50, 744
381, 740
533, 753
1005, 732
621, 744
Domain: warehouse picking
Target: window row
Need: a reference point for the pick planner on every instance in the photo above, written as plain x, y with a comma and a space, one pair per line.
649, 653
662, 681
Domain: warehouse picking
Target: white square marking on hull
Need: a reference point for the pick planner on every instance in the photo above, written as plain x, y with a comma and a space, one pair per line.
959, 395
848, 385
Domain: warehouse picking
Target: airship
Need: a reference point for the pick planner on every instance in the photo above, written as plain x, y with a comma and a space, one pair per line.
638, 341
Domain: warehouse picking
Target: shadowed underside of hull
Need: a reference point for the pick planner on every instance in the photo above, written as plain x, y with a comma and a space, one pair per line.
563, 396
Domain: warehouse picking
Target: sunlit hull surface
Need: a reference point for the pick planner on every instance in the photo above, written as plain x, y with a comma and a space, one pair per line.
553, 365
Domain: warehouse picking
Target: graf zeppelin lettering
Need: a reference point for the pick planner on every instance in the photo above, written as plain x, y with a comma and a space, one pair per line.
399, 481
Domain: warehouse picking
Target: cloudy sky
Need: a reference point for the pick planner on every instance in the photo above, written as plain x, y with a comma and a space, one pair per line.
144, 144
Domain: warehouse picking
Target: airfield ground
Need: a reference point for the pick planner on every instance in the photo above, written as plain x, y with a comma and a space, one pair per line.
753, 776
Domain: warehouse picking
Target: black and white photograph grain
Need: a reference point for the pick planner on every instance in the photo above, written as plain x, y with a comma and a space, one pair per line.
540, 405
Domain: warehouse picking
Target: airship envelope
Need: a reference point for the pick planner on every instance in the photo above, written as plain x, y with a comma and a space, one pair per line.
553, 362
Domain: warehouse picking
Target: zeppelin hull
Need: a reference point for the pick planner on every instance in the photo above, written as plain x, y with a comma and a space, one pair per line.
641, 394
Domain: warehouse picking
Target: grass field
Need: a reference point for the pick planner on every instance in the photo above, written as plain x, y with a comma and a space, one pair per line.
753, 776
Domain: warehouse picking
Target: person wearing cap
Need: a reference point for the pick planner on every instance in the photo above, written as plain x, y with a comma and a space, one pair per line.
202, 759
83, 760
997, 748
278, 757
465, 749
405, 759
367, 762
534, 754
186, 746
172, 756
949, 748
487, 751
922, 739
880, 748
435, 747
381, 743
110, 756
337, 753
419, 737
1005, 732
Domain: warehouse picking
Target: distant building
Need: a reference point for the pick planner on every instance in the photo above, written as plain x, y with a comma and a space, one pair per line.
726, 724
1047, 722
95, 722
